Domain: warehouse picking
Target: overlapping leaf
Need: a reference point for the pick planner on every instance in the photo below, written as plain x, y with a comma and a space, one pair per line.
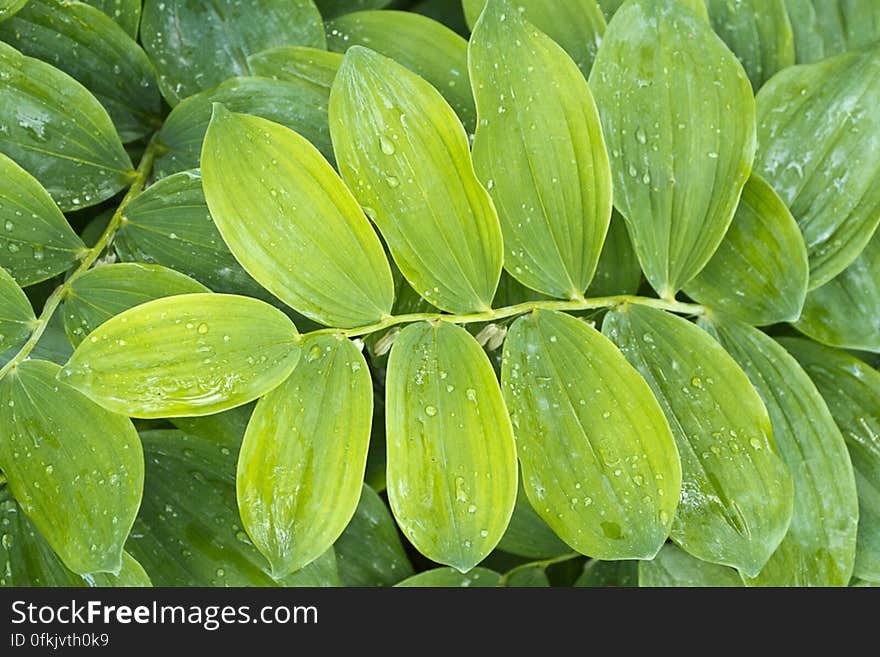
618, 270
605, 574
10, 7
675, 567
191, 354
451, 578
540, 152
125, 12
333, 8
528, 535
16, 313
294, 63
824, 28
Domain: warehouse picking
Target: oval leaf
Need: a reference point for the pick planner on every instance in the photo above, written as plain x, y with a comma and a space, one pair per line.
426, 47
196, 44
76, 469
104, 292
736, 493
127, 13
816, 148
759, 273
192, 354
297, 63
405, 156
54, 128
599, 462
451, 578
451, 461
10, 7
16, 313
551, 186
291, 222
819, 548
681, 134
673, 567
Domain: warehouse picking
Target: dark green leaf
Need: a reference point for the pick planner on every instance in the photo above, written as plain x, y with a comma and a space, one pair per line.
16, 313
125, 12
297, 63
606, 574
332, 8
618, 271
675, 567
533, 577
528, 535
824, 28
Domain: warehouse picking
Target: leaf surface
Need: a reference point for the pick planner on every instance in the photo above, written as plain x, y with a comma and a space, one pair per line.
673, 567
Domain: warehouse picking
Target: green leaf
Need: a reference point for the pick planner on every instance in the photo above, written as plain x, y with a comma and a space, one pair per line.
227, 427
852, 390
182, 543
405, 156
191, 354
819, 548
369, 552
104, 292
681, 135
89, 46
54, 128
599, 461
298, 104
576, 25
76, 469
36, 242
297, 64
759, 273
301, 466
451, 578
169, 224
736, 493
451, 459
824, 28
759, 34
609, 574
528, 535
673, 567
332, 8
815, 149
610, 7
426, 47
26, 559
618, 270
291, 222
532, 577
10, 7
845, 312
125, 12
16, 313
539, 151
196, 44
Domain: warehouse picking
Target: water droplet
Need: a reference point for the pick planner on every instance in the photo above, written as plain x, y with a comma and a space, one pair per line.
430, 411
641, 136
386, 145
50, 469
202, 329
220, 572
392, 181
696, 382
471, 394
9, 225
755, 443
314, 354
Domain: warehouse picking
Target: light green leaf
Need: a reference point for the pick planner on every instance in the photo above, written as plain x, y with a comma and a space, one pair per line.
54, 128
298, 104
16, 313
819, 548
736, 493
599, 462
36, 242
26, 559
528, 535
169, 224
673, 567
845, 312
576, 25
816, 148
297, 64
759, 273
104, 292
196, 44
451, 459
426, 47
291, 222
852, 390
539, 151
76, 469
531, 577
89, 46
618, 270
301, 466
824, 28
10, 7
369, 552
405, 156
758, 32
681, 133
451, 578
125, 12
609, 574
190, 492
332, 8
191, 354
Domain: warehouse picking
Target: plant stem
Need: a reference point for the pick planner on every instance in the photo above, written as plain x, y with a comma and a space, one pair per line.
520, 309
91, 255
543, 564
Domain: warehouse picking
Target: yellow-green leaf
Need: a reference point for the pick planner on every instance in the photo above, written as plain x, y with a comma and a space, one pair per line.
673, 567
736, 492
76, 469
679, 120
599, 462
16, 313
539, 151
404, 154
291, 222
191, 354
451, 461
301, 464
759, 273
10, 7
